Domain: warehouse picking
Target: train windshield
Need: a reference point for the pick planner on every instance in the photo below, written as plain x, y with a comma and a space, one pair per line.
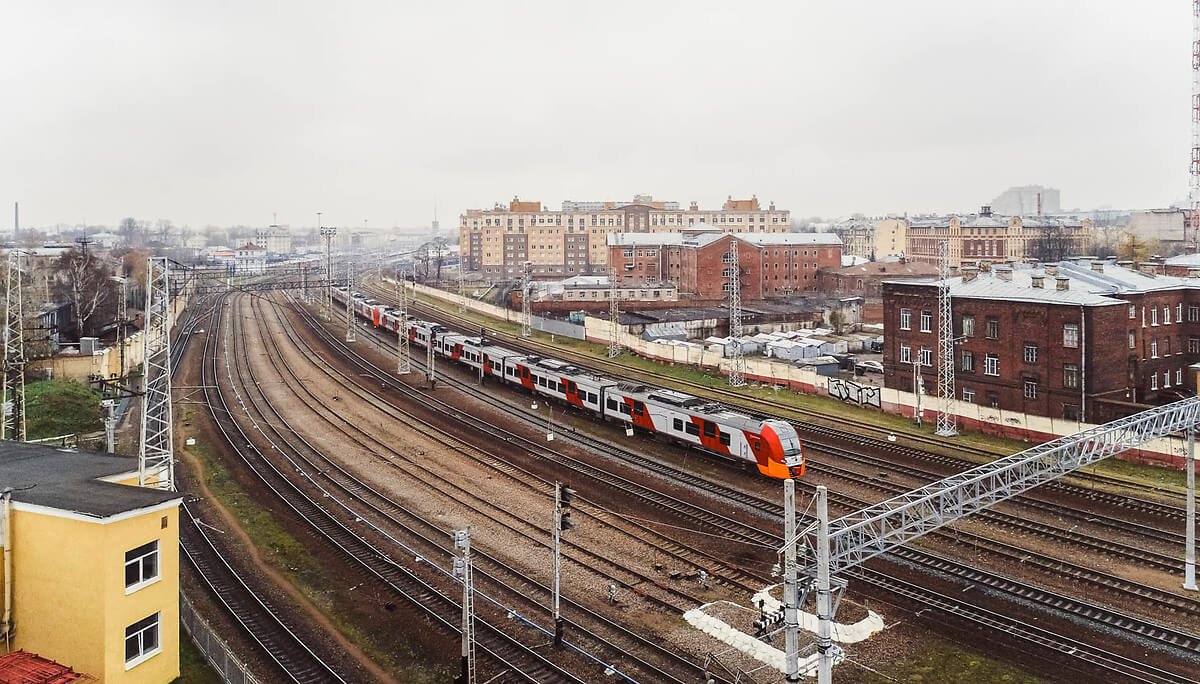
792, 455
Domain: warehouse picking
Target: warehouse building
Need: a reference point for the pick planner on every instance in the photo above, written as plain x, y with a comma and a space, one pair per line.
92, 564
1087, 341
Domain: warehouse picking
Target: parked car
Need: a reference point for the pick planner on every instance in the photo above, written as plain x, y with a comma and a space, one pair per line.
871, 366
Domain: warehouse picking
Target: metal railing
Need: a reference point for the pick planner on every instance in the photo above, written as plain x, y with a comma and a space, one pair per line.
215, 651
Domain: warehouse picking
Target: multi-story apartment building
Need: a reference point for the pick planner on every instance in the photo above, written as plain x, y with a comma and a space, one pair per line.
698, 262
497, 242
997, 238
1079, 341
890, 235
858, 237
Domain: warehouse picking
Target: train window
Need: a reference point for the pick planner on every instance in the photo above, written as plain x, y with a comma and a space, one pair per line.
562, 388
625, 409
679, 425
592, 398
571, 386
612, 404
725, 438
710, 429
639, 409
691, 429
755, 445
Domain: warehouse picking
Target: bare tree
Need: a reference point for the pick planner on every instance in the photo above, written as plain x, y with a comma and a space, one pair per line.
1054, 243
86, 281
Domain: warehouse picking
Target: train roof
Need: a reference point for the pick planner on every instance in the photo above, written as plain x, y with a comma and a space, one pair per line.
691, 404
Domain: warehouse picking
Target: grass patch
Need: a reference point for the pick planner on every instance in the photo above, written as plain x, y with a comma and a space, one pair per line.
193, 668
944, 662
61, 407
289, 556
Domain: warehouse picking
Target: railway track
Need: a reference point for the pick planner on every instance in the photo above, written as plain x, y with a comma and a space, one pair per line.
1096, 656
514, 583
333, 525
294, 659
847, 430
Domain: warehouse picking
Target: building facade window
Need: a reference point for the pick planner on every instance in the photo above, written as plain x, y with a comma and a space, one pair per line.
1132, 312
1153, 316
1030, 389
1178, 376
968, 326
1154, 348
905, 319
993, 399
141, 566
1193, 313
926, 322
1166, 315
968, 361
1071, 335
993, 328
1070, 376
926, 357
142, 640
1132, 340
1071, 411
968, 395
1194, 345
1166, 379
1031, 353
991, 364
1154, 381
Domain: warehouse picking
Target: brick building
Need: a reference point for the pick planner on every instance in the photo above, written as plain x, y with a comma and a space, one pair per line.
1071, 340
866, 281
698, 262
571, 242
997, 238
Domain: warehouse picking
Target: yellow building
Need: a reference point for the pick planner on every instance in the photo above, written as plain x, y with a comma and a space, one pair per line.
91, 565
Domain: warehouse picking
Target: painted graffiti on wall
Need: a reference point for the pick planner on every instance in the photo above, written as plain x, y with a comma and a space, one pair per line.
854, 393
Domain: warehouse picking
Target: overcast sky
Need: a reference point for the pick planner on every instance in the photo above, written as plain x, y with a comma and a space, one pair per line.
224, 112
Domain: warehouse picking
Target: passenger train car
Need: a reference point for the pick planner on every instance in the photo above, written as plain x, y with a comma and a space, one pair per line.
772, 445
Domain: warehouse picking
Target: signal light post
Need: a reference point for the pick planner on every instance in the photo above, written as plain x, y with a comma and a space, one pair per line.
462, 570
562, 523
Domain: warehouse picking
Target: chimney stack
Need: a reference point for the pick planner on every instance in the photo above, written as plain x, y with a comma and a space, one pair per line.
1052, 269
969, 273
1038, 280
1062, 283
985, 210
1098, 266
1194, 272
985, 266
1004, 273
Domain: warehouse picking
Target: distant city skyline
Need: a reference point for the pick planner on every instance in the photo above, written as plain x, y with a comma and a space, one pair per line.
221, 115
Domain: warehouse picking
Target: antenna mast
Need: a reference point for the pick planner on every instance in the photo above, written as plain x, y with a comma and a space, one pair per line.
328, 234
526, 289
1193, 234
614, 315
737, 365
947, 421
349, 299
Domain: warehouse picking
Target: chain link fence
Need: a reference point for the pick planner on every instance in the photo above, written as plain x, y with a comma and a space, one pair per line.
215, 651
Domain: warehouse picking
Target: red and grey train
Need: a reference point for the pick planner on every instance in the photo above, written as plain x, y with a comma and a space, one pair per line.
771, 444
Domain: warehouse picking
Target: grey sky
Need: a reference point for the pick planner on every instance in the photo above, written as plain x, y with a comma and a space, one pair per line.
223, 112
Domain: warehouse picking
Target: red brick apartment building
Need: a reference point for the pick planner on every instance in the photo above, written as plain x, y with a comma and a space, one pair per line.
699, 263
1086, 341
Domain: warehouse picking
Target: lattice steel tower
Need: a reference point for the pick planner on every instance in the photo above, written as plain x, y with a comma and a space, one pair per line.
404, 359
947, 421
737, 363
156, 462
614, 316
526, 290
328, 234
14, 351
349, 299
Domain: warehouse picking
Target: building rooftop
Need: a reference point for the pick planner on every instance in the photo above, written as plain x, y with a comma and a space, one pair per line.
73, 481
703, 235
1086, 286
886, 267
645, 239
1184, 260
22, 667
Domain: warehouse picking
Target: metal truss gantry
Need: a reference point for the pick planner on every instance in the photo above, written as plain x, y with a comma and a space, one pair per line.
614, 316
350, 300
737, 362
156, 462
327, 308
14, 351
835, 546
947, 420
403, 359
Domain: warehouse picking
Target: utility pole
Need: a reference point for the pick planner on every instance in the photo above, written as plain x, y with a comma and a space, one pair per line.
1193, 233
791, 612
122, 321
614, 315
328, 234
463, 571
350, 299
429, 360
1189, 562
918, 385
947, 421
14, 351
462, 287
526, 290
737, 364
562, 523
825, 651
110, 425
403, 360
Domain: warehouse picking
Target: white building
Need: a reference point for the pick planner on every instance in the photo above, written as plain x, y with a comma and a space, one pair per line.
250, 259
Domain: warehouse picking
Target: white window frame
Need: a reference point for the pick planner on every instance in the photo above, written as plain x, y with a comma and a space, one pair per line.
968, 395
1132, 312
905, 354
1178, 376
926, 321
1166, 315
1030, 353
1154, 381
1030, 388
991, 365
140, 561
1153, 315
906, 319
926, 357
144, 655
1154, 348
1071, 335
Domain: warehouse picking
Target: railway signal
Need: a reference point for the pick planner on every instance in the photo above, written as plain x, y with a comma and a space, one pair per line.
562, 522
462, 570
